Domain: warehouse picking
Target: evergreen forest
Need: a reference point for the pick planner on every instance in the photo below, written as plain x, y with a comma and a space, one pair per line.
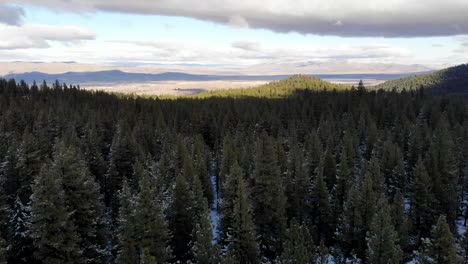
303, 172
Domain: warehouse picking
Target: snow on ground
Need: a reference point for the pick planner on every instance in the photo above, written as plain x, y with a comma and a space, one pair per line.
460, 226
214, 211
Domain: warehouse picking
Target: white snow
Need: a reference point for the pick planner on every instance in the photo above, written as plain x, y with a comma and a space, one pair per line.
214, 211
460, 227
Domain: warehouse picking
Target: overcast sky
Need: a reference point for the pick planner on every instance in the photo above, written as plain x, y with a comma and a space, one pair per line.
234, 32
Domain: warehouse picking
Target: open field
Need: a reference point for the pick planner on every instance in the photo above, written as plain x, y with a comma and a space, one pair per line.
171, 87
185, 88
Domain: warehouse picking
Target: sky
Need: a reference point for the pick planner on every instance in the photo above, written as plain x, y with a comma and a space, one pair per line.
234, 32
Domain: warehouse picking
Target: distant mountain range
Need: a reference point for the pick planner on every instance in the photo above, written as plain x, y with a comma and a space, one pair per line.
452, 80
117, 76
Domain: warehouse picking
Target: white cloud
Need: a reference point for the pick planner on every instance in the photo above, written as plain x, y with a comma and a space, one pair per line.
38, 36
386, 18
239, 53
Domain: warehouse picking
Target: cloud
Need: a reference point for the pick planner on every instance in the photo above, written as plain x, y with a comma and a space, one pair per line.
38, 36
246, 45
11, 15
363, 18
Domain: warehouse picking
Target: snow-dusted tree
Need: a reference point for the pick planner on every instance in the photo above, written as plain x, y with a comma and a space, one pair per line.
52, 227
204, 250
268, 197
21, 247
127, 248
242, 244
382, 239
151, 228
83, 199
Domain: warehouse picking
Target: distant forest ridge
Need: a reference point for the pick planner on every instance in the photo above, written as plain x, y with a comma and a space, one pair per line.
120, 76
452, 80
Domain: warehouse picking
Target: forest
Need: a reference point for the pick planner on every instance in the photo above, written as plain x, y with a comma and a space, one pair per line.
317, 175
453, 80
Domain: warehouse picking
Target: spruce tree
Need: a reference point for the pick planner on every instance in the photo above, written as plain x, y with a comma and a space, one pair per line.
382, 239
229, 195
204, 250
242, 244
83, 198
150, 225
20, 242
127, 243
321, 204
181, 219
422, 200
268, 197
351, 227
297, 248
443, 249
54, 233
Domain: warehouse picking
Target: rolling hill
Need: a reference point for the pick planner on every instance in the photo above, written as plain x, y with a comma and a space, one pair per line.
278, 89
452, 80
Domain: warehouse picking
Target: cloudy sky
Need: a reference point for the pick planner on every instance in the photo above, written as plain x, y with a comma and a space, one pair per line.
234, 32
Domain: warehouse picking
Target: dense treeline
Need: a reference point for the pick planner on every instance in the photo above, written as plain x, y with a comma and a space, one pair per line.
319, 176
277, 89
452, 80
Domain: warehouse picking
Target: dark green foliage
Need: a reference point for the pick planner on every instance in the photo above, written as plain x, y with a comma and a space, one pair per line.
127, 243
150, 225
53, 230
268, 197
241, 237
181, 219
450, 80
203, 249
127, 179
278, 89
441, 247
382, 239
298, 245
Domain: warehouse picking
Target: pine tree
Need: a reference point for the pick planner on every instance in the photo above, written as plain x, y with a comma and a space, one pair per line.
181, 219
442, 167
402, 224
382, 239
297, 248
241, 237
54, 233
229, 195
351, 228
322, 208
21, 246
443, 249
298, 187
84, 200
204, 250
202, 168
422, 200
269, 199
150, 226
127, 248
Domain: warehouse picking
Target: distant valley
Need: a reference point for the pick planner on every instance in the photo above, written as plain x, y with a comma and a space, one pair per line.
179, 83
